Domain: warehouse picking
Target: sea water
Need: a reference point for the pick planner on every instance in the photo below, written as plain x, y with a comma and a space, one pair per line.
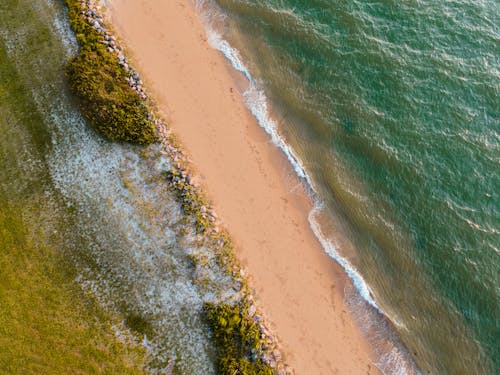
389, 111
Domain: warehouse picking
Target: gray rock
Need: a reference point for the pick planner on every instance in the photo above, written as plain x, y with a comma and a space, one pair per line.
252, 310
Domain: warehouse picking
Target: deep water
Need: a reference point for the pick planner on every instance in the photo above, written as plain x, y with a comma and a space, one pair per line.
393, 109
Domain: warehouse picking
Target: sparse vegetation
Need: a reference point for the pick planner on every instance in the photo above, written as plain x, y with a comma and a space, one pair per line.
48, 325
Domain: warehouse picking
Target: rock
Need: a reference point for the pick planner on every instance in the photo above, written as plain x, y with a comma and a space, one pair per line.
252, 310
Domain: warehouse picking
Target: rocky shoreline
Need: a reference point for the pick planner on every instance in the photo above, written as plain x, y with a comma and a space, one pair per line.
194, 204
93, 14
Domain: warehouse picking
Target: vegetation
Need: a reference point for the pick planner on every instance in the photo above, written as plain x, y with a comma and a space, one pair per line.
100, 84
48, 325
191, 199
237, 338
139, 324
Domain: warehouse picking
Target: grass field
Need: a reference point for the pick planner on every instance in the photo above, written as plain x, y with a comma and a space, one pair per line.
48, 324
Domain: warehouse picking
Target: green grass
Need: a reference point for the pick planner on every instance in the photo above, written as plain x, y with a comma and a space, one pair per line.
47, 324
100, 85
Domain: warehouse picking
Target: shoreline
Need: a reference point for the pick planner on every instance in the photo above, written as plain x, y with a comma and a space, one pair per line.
317, 334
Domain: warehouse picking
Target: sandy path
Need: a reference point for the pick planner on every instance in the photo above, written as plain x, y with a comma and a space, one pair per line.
252, 186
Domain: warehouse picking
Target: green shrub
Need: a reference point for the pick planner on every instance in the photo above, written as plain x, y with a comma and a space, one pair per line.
237, 338
101, 87
139, 324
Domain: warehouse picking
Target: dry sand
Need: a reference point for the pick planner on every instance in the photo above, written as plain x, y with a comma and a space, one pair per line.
251, 184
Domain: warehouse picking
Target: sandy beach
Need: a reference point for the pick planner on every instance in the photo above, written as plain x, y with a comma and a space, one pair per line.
251, 185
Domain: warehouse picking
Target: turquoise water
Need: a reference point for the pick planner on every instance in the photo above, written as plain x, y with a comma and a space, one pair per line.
393, 109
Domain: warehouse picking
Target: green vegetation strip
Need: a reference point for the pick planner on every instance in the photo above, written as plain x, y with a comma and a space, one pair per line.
100, 84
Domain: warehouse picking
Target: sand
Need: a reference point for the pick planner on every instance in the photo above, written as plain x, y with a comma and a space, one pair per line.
251, 185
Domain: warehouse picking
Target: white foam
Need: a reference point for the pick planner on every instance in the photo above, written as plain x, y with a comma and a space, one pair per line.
256, 101
394, 362
358, 281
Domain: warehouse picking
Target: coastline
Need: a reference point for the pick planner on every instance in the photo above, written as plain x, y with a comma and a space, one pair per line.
251, 185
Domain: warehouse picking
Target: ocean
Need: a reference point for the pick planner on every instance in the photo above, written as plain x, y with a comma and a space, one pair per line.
390, 112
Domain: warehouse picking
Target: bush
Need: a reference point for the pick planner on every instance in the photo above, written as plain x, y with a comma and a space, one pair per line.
237, 338
139, 324
101, 87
